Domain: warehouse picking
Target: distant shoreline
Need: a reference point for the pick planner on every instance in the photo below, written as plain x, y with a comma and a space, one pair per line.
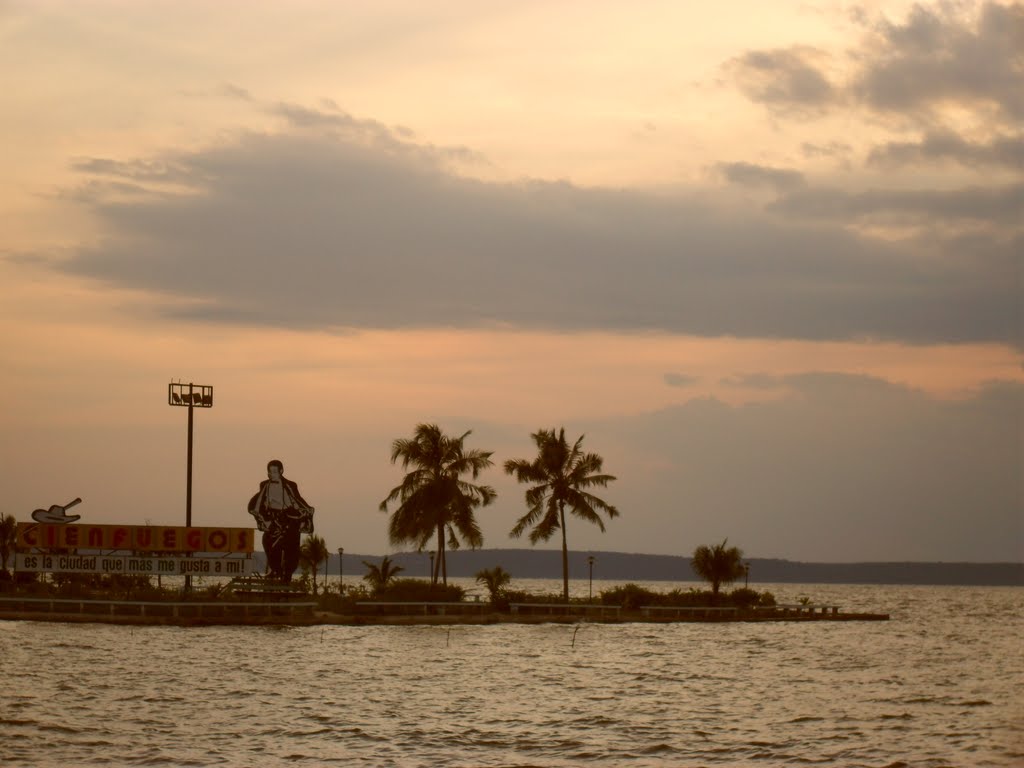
620, 566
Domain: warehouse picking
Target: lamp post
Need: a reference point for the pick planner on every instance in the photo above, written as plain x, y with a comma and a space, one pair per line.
746, 575
432, 568
341, 571
590, 562
189, 396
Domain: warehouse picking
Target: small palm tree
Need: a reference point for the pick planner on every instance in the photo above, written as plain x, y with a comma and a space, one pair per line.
379, 576
8, 538
718, 565
432, 498
561, 476
494, 579
313, 552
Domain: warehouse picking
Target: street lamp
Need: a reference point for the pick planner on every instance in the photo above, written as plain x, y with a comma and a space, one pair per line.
189, 396
746, 575
590, 562
341, 571
432, 579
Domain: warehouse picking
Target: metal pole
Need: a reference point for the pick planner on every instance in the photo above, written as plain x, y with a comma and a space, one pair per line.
341, 571
188, 481
188, 476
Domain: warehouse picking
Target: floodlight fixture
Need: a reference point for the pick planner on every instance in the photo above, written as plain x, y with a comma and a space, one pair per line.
189, 396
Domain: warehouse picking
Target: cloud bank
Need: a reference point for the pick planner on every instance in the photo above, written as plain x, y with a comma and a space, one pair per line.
836, 464
347, 224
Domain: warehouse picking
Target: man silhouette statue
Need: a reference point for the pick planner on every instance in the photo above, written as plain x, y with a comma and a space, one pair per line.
282, 514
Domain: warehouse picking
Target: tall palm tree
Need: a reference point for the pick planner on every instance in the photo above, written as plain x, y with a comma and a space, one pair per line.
561, 476
433, 499
8, 538
717, 564
379, 576
313, 552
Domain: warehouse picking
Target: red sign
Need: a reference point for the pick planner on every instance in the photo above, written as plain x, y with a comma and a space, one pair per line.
136, 538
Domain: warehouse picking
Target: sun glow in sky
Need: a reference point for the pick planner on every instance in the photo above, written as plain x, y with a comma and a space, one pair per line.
766, 256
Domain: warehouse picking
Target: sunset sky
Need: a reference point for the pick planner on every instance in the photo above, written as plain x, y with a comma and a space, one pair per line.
767, 257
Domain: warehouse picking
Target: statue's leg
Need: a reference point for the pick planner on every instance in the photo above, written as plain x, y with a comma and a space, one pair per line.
272, 548
289, 551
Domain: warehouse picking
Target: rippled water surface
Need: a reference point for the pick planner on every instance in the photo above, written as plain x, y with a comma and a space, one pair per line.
939, 684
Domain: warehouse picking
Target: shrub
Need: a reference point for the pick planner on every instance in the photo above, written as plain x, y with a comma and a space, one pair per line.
28, 582
691, 597
630, 597
633, 596
744, 597
519, 596
420, 591
495, 580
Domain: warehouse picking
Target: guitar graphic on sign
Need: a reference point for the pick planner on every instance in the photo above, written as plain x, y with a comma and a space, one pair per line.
56, 514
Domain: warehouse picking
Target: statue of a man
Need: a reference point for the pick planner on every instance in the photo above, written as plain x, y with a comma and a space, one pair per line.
282, 514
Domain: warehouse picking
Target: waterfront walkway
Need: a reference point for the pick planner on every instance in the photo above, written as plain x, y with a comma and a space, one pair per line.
306, 612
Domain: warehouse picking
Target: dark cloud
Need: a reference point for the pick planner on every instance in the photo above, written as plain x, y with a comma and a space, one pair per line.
784, 78
395, 140
838, 467
938, 56
680, 380
761, 175
997, 204
137, 170
110, 189
357, 228
308, 117
232, 91
838, 149
1002, 151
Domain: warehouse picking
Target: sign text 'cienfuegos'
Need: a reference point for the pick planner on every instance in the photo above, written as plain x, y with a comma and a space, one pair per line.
136, 538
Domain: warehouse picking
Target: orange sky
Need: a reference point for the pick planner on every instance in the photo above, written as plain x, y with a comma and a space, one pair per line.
583, 127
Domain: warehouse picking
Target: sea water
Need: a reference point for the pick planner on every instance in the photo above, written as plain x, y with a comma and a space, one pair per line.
940, 684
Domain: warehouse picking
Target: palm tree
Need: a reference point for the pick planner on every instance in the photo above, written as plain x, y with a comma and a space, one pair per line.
8, 538
718, 564
379, 576
561, 477
313, 552
494, 579
432, 498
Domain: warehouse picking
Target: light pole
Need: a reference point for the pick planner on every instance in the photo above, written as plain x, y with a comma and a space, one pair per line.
341, 571
746, 575
432, 580
590, 562
189, 396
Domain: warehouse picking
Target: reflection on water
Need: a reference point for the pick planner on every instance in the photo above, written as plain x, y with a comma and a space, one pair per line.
940, 684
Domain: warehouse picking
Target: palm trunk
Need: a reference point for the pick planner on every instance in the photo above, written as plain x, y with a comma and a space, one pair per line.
439, 566
565, 556
444, 568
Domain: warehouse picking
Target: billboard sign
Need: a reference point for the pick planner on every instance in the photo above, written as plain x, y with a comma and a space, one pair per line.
133, 565
136, 538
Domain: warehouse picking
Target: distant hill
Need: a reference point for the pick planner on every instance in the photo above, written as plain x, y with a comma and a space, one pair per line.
620, 566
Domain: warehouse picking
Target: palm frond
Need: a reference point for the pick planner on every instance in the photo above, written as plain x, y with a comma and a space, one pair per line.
433, 498
558, 477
